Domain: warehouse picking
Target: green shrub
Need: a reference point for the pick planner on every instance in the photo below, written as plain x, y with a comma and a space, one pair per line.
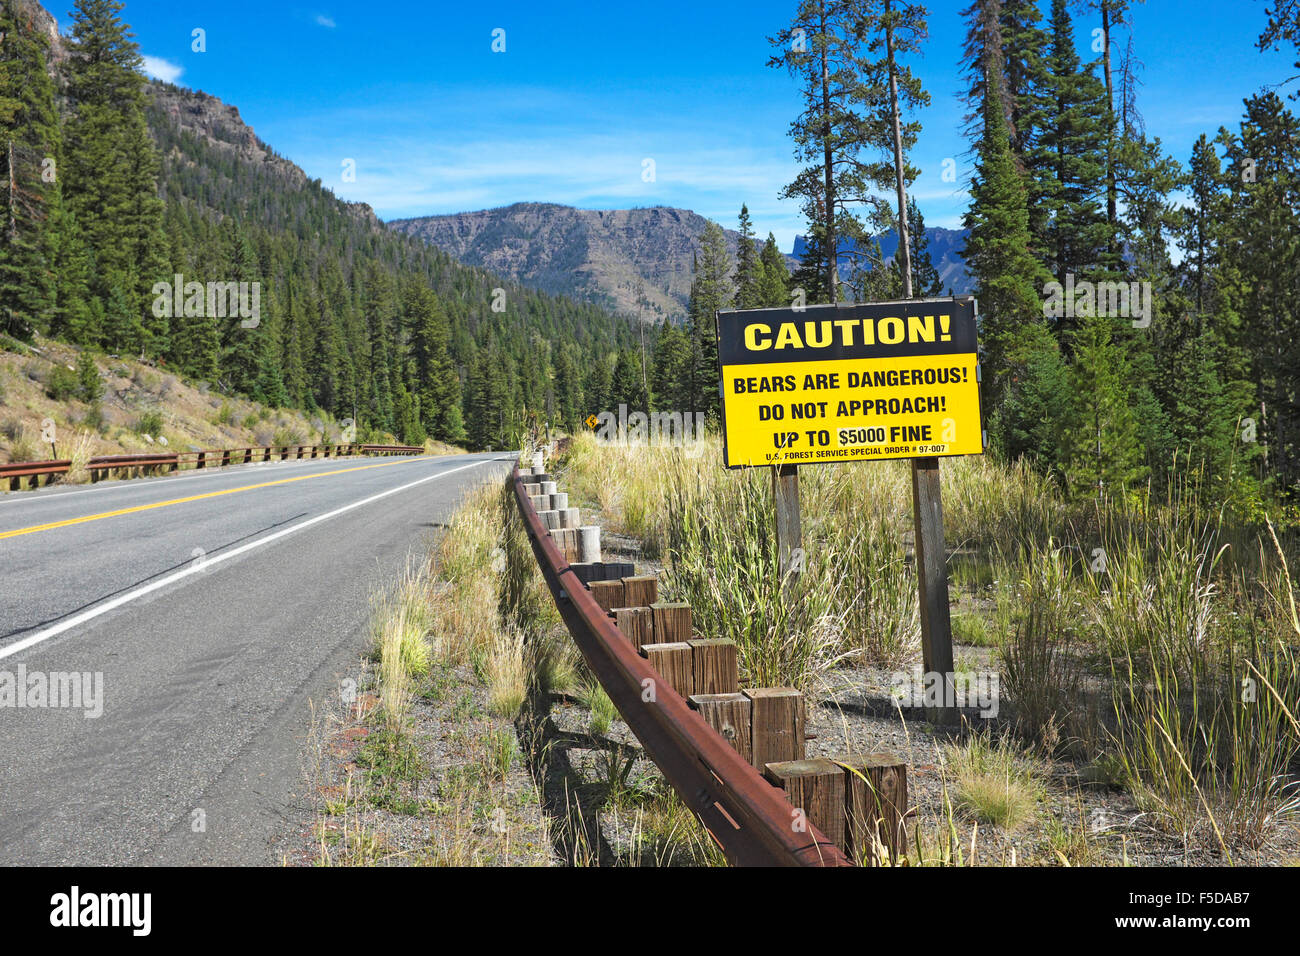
94, 417
286, 436
62, 383
90, 387
150, 423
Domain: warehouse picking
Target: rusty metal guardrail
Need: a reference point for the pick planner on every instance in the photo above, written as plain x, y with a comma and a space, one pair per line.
751, 820
102, 465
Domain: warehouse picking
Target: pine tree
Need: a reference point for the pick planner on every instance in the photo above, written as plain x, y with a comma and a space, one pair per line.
488, 399
711, 294
626, 385
438, 386
1007, 276
71, 316
1031, 418
596, 390
774, 280
29, 152
1261, 262
926, 282
672, 360
1114, 13
1025, 77
567, 383
380, 310
823, 48
112, 165
90, 387
748, 266
1102, 454
809, 275
896, 29
1072, 146
1283, 27
983, 56
242, 346
1198, 229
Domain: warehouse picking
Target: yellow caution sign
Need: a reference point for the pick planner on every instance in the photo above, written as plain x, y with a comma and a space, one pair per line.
850, 382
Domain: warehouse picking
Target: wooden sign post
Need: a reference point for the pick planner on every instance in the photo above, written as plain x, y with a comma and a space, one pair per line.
859, 382
789, 532
932, 581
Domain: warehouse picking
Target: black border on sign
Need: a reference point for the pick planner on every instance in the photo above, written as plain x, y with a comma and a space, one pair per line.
979, 378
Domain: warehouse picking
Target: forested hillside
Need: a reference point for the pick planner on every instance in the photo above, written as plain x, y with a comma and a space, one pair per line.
119, 186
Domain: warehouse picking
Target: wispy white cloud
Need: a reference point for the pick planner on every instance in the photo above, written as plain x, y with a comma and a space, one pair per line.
324, 20
517, 144
161, 69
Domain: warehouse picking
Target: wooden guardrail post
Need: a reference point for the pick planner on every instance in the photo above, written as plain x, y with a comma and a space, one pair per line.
730, 715
875, 805
608, 594
642, 590
675, 663
816, 787
672, 622
777, 729
716, 663
636, 624
589, 543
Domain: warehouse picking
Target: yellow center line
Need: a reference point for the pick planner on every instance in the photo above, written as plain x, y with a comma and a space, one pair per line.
180, 501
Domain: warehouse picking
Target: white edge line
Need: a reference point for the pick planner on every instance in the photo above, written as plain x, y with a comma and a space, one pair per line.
195, 568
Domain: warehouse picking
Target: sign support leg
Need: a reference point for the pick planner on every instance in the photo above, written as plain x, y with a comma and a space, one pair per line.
789, 534
932, 576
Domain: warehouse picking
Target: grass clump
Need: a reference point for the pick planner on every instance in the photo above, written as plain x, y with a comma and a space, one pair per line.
602, 709
507, 675
991, 782
972, 630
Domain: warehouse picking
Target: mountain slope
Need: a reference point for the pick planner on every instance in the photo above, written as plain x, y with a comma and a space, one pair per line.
601, 255
596, 255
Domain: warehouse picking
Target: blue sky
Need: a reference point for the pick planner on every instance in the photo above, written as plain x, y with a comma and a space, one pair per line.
586, 92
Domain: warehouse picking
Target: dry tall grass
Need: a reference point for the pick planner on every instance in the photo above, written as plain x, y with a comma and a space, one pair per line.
1150, 633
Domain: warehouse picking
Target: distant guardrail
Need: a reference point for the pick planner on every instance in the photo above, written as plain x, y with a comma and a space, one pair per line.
102, 466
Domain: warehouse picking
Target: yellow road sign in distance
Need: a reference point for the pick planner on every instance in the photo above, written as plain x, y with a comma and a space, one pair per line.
854, 382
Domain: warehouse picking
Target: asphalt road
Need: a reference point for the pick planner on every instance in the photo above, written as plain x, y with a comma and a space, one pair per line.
216, 606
